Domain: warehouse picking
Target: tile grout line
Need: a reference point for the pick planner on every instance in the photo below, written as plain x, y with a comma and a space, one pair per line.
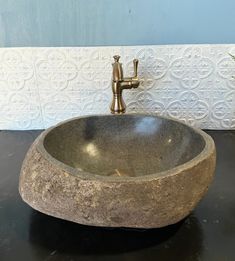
37, 86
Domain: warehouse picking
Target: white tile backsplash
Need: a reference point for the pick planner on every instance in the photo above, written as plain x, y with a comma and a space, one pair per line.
42, 86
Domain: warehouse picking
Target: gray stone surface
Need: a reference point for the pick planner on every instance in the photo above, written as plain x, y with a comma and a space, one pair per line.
119, 171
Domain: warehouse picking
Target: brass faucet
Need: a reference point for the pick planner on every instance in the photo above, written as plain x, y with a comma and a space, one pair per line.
120, 83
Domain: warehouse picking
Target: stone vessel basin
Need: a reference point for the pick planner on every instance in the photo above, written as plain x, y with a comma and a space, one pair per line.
141, 171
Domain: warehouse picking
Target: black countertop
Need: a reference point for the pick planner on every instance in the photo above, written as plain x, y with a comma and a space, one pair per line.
25, 234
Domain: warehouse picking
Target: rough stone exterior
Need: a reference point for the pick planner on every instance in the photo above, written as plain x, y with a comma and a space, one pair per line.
146, 202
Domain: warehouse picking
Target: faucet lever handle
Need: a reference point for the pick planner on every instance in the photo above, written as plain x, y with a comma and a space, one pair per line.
135, 62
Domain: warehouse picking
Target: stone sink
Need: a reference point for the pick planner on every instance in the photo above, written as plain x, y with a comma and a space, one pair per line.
131, 170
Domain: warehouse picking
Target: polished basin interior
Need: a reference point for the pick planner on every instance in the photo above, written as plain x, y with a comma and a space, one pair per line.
123, 145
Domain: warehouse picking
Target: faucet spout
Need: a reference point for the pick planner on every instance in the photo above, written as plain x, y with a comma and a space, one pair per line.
119, 84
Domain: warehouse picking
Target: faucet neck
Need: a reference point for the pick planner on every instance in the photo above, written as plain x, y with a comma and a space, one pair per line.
117, 69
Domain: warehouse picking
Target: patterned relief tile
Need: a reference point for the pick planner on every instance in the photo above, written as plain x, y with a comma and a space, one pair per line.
19, 102
42, 86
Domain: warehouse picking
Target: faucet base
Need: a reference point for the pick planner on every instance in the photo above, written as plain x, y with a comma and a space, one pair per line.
118, 106
118, 112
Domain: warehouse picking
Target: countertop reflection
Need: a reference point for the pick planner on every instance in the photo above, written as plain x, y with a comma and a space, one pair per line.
70, 238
